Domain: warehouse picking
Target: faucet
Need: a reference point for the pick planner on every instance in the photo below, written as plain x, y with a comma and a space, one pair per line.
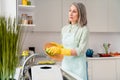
24, 63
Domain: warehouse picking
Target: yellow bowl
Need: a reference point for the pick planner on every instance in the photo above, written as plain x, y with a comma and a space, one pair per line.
57, 57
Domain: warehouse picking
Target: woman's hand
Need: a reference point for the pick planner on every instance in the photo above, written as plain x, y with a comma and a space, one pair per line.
53, 50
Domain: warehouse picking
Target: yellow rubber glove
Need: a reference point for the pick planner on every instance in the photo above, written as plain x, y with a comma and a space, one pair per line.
66, 52
56, 50
53, 50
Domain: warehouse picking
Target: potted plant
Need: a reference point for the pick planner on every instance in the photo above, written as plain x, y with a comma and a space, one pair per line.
10, 35
106, 48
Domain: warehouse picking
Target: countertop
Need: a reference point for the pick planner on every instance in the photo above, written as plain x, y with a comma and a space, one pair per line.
97, 58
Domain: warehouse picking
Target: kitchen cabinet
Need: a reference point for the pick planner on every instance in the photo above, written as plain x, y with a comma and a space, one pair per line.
90, 69
97, 15
118, 69
48, 15
103, 15
105, 68
114, 16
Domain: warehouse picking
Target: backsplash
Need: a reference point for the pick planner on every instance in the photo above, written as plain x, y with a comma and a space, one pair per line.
96, 40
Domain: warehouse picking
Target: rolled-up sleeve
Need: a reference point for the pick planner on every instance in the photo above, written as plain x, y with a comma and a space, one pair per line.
83, 42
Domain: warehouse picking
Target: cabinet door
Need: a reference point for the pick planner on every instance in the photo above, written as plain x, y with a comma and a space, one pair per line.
97, 14
90, 69
48, 15
104, 70
114, 16
118, 69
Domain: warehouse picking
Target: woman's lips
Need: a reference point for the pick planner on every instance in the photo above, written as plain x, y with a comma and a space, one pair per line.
70, 17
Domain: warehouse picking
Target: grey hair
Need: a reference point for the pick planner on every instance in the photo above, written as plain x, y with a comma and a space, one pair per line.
82, 13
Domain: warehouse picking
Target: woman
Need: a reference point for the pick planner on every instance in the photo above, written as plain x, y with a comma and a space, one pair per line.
74, 41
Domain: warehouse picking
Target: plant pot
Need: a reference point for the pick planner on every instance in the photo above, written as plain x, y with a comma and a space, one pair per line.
104, 55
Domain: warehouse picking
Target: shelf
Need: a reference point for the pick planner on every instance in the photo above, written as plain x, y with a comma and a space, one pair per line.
26, 13
26, 6
31, 25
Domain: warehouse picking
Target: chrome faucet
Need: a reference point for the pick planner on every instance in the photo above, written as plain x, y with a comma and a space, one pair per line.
24, 63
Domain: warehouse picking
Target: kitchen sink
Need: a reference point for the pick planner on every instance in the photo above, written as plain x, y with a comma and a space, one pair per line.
47, 72
35, 71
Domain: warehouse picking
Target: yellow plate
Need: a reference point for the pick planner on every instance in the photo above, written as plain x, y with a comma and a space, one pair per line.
58, 57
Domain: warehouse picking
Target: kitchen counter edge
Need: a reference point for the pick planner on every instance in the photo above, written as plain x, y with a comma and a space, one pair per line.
97, 58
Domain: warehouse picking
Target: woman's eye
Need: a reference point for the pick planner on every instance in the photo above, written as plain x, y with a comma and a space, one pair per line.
69, 10
74, 11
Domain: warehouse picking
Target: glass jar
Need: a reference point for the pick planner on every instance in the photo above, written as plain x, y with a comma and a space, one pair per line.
24, 19
30, 20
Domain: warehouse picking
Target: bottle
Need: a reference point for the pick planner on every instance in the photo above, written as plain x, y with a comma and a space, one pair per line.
25, 54
24, 2
28, 2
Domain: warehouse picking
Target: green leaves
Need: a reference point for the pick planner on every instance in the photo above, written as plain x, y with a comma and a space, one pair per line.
106, 47
10, 35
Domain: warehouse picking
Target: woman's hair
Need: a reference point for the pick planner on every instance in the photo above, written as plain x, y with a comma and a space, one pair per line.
82, 18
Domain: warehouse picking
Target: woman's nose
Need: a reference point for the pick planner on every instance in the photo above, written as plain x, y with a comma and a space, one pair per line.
70, 13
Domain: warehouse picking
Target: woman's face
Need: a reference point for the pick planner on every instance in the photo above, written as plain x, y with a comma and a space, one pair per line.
73, 14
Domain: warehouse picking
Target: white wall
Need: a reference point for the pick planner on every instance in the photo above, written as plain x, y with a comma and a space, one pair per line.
0, 6
38, 39
96, 40
9, 8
